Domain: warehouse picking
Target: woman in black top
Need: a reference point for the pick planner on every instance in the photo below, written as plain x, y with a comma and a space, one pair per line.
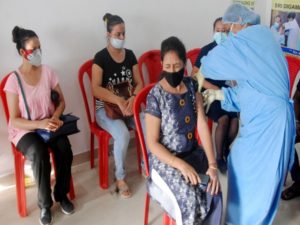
227, 122
114, 65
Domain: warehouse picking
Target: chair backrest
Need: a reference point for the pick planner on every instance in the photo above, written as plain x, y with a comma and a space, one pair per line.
151, 59
192, 55
86, 69
3, 96
294, 68
139, 101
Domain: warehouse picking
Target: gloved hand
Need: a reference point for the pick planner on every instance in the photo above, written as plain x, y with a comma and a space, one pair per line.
210, 95
200, 79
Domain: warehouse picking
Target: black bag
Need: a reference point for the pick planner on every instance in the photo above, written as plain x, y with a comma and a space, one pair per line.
70, 121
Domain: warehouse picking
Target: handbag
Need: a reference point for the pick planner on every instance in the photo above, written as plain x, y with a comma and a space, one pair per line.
69, 121
69, 127
123, 89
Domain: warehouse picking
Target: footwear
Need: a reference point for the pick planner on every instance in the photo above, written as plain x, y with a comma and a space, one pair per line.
222, 165
291, 192
123, 189
45, 216
66, 206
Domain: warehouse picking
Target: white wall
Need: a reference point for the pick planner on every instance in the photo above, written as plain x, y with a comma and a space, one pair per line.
72, 31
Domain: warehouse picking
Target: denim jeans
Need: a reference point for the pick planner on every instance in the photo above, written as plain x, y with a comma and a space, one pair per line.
118, 129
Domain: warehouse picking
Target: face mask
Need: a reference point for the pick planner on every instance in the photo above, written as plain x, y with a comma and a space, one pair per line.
34, 57
276, 25
174, 78
219, 37
117, 43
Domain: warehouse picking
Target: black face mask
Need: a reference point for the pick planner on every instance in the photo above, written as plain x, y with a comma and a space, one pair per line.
174, 78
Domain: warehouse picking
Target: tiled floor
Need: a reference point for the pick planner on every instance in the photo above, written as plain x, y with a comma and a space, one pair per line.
96, 206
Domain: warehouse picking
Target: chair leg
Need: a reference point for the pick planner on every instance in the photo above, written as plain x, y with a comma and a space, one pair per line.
138, 151
103, 161
146, 214
20, 184
53, 162
92, 159
71, 192
173, 222
168, 220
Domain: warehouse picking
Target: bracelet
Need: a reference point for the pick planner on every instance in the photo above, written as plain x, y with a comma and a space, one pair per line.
133, 95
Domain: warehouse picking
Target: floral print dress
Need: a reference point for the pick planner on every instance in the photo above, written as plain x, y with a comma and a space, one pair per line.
186, 203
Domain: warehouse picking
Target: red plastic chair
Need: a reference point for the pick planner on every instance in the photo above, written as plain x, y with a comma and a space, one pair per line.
191, 59
102, 135
151, 59
20, 161
139, 101
192, 55
294, 68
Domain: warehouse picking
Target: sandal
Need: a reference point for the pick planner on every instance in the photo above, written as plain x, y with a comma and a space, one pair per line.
123, 190
291, 192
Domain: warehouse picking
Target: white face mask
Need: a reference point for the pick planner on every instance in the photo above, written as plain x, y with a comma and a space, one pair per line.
117, 43
35, 58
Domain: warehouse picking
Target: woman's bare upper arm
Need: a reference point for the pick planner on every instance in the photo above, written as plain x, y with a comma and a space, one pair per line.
61, 95
136, 74
97, 75
199, 107
13, 105
152, 128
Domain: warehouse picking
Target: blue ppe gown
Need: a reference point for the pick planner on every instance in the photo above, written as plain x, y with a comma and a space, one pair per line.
264, 149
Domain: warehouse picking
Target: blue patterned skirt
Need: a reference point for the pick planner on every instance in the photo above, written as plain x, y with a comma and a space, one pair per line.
186, 203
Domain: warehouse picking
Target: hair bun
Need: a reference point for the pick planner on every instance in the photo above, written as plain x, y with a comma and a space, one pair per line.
16, 33
111, 20
106, 17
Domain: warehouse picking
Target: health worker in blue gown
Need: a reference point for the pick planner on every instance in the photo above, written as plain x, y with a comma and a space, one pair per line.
263, 151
